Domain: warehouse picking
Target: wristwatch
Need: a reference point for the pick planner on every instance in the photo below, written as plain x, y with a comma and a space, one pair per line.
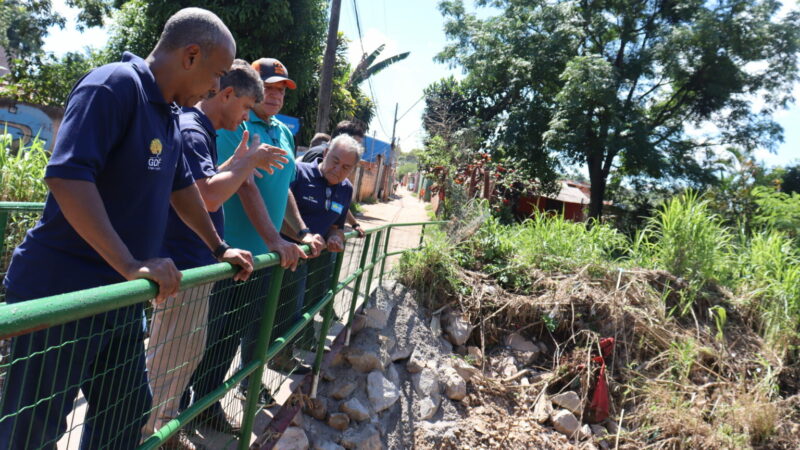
219, 252
302, 233
356, 225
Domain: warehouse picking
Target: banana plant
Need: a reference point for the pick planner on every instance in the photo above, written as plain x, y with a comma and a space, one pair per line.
366, 68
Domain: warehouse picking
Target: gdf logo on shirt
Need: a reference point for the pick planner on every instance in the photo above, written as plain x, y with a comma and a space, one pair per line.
154, 162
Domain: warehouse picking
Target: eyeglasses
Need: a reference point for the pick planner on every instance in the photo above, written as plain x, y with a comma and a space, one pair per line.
328, 193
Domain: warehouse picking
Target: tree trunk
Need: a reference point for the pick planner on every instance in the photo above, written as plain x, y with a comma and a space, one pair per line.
326, 77
597, 180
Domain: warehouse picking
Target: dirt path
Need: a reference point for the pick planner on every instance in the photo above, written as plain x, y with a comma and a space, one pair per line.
403, 208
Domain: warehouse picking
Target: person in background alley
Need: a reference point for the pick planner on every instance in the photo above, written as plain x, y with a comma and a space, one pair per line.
178, 326
116, 167
250, 223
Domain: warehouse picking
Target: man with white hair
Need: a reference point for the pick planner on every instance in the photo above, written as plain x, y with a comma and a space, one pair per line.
116, 168
323, 195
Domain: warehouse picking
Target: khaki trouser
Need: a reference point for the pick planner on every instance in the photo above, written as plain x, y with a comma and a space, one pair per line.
175, 347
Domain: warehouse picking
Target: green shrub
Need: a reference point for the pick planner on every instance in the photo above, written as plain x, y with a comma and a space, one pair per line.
432, 270
553, 243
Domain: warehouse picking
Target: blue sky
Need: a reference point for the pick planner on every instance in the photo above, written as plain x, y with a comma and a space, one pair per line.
409, 25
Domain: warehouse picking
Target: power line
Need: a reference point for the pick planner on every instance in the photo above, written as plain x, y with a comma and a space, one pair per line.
369, 81
358, 27
412, 107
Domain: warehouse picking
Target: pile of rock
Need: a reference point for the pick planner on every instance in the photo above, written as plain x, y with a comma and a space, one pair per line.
407, 372
397, 371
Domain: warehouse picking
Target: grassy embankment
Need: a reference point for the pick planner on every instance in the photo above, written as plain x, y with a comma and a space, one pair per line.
705, 317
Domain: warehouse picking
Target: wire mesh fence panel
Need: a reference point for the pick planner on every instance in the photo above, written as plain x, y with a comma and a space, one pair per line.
103, 357
139, 373
234, 318
400, 239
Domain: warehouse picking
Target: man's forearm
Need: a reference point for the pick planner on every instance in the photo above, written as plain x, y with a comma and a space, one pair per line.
217, 189
190, 208
292, 216
351, 219
82, 206
256, 211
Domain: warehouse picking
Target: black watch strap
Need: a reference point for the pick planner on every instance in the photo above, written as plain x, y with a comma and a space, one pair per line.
219, 252
303, 232
356, 225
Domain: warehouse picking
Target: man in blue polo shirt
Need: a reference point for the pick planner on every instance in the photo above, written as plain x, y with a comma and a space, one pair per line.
252, 220
178, 325
323, 194
116, 167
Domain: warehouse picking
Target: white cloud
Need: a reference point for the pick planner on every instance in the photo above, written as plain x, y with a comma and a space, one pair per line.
69, 39
371, 40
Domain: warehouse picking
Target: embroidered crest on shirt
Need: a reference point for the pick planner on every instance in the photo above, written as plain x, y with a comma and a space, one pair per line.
154, 162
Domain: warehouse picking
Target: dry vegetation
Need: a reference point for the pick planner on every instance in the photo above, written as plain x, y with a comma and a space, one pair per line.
695, 373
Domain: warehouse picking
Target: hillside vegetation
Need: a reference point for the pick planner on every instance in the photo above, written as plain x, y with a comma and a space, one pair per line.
705, 317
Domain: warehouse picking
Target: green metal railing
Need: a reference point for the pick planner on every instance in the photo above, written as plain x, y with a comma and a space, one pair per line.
346, 283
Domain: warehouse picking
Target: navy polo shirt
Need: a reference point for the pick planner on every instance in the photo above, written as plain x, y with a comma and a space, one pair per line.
321, 205
182, 244
119, 133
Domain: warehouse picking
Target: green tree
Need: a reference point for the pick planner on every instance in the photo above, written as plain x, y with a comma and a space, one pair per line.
291, 31
615, 84
24, 25
791, 180
47, 80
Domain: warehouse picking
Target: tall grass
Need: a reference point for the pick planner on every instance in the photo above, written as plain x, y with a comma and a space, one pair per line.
554, 243
22, 167
687, 239
22, 170
769, 277
432, 270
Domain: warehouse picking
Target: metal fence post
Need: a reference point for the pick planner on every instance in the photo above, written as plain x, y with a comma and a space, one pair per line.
327, 318
262, 343
373, 261
361, 264
385, 250
3, 224
422, 235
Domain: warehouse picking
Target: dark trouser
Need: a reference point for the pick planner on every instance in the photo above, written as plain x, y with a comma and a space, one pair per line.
103, 356
286, 315
234, 316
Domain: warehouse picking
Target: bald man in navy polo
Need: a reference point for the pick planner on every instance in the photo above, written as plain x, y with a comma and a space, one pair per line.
116, 168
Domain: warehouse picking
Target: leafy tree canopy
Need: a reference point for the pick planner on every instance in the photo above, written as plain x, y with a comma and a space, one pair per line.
616, 84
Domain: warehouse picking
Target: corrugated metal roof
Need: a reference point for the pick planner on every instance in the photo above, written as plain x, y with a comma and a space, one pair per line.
374, 147
571, 194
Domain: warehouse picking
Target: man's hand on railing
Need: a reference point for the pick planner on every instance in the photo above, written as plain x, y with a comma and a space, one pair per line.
160, 270
289, 252
335, 243
241, 258
316, 242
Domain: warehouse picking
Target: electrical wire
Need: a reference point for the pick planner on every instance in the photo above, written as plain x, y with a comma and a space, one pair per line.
369, 81
412, 107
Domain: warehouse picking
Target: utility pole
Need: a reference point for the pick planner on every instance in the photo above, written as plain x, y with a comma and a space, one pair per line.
394, 124
326, 77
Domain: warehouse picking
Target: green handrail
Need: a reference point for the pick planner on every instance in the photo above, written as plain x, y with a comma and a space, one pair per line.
28, 316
